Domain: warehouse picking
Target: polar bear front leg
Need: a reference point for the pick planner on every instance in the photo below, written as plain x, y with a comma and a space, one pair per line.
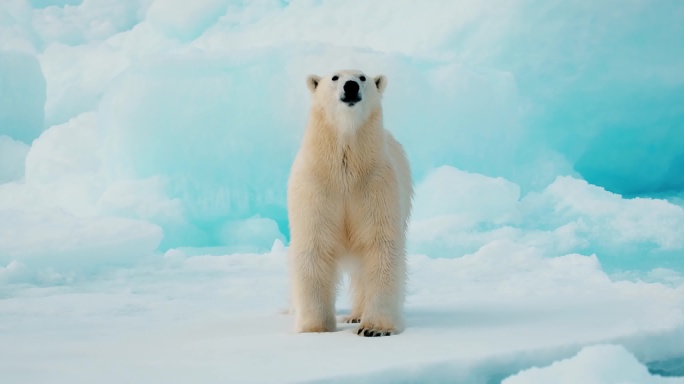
380, 236
384, 269
314, 229
313, 274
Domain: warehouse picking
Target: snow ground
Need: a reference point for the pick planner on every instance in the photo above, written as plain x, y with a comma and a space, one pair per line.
212, 319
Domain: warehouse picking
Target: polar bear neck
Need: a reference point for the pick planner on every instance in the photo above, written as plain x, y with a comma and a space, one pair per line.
354, 149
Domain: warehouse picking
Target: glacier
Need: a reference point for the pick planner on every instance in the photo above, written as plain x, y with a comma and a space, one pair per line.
178, 89
145, 145
23, 97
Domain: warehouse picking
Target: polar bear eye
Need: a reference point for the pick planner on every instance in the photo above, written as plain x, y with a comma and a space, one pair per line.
334, 78
362, 78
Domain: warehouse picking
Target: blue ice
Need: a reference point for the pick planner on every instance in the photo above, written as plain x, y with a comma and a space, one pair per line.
209, 98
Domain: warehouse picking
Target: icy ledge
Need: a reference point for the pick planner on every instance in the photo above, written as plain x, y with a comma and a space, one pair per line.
596, 364
209, 319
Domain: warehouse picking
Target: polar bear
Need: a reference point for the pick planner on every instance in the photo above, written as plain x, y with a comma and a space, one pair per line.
349, 201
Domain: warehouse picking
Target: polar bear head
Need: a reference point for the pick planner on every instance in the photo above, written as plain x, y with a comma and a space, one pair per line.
347, 97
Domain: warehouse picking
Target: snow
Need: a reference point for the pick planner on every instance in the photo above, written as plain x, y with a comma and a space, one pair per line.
65, 150
87, 21
593, 365
459, 212
184, 20
52, 239
208, 319
145, 147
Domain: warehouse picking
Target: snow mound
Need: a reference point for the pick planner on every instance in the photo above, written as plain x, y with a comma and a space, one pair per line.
457, 212
58, 240
599, 364
185, 20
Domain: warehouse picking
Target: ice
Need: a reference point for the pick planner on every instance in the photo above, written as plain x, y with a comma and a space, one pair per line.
62, 170
450, 191
599, 364
213, 143
275, 23
254, 234
528, 80
13, 272
16, 31
53, 240
50, 3
22, 96
59, 212
76, 77
145, 147
185, 20
209, 319
457, 212
65, 150
12, 156
87, 21
181, 129
154, 107
158, 72
608, 101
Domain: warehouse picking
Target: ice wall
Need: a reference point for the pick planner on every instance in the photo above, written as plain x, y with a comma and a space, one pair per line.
22, 96
48, 3
199, 121
602, 85
12, 156
186, 116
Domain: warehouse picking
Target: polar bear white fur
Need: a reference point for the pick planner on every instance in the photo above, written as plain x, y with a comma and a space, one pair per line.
349, 199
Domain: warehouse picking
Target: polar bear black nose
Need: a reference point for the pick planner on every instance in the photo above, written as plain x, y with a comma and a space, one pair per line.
351, 89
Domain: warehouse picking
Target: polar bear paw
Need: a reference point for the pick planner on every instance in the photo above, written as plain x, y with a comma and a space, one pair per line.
351, 319
373, 332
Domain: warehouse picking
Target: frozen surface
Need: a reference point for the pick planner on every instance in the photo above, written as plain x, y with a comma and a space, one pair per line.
217, 319
601, 364
145, 147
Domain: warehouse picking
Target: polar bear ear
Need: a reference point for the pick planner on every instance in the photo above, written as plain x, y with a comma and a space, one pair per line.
380, 83
312, 82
